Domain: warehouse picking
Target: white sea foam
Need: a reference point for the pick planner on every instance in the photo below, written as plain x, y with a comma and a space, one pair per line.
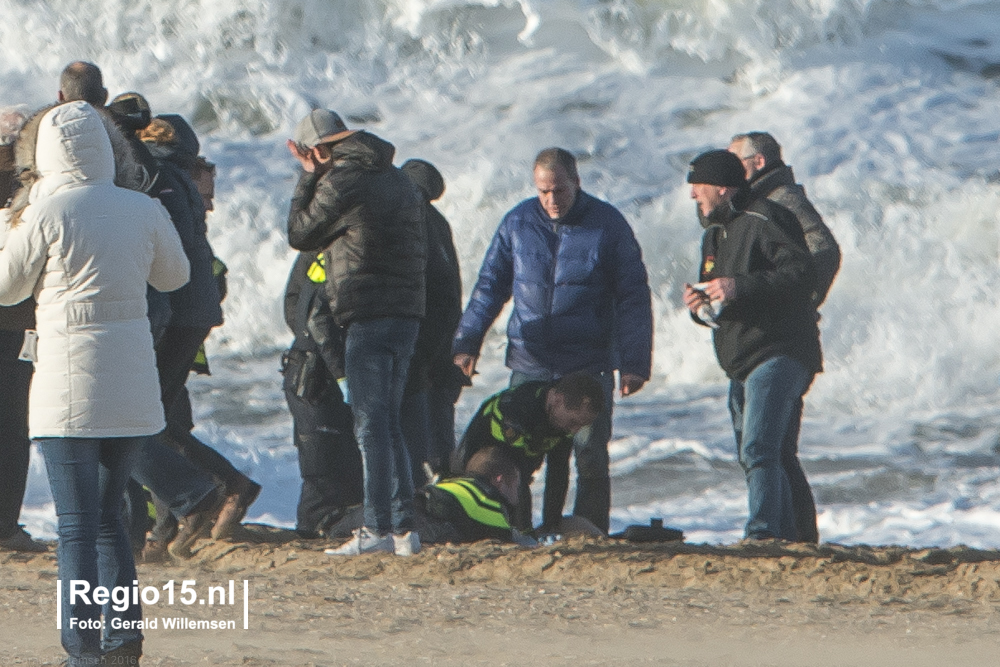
886, 109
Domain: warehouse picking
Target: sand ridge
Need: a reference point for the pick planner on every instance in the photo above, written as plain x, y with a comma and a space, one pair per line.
582, 601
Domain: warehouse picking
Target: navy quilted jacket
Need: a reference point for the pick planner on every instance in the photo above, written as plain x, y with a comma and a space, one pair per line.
581, 295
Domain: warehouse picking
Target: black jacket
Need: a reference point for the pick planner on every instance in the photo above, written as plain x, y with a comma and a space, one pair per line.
432, 355
199, 303
443, 518
369, 218
307, 314
760, 244
778, 184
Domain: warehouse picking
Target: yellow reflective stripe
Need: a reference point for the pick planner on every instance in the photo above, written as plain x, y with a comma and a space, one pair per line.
477, 506
480, 497
317, 270
492, 410
150, 507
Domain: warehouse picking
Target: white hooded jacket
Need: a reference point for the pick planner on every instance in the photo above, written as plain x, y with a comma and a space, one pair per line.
86, 249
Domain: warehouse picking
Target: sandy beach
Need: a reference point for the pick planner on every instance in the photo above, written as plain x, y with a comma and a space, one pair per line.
581, 602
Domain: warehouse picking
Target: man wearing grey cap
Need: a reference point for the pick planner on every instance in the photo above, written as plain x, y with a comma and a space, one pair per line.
754, 290
367, 219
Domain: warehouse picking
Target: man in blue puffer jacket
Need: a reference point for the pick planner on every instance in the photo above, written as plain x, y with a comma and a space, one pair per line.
581, 303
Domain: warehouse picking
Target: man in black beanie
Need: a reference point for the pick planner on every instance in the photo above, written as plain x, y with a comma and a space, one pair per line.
755, 286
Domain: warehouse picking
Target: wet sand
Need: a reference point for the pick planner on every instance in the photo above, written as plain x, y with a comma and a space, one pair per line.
581, 602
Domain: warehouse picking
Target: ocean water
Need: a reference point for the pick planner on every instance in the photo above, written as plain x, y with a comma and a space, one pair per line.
887, 110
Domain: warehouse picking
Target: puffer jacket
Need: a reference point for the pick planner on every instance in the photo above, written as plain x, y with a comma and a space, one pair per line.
198, 304
369, 218
778, 184
761, 247
86, 250
581, 296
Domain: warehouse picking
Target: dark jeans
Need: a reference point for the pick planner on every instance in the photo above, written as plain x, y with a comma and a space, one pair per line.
441, 399
175, 482
175, 466
416, 423
803, 504
87, 477
376, 358
590, 447
15, 447
179, 438
766, 410
329, 458
175, 353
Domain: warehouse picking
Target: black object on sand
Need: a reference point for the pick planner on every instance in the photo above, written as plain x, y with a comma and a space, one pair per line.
654, 532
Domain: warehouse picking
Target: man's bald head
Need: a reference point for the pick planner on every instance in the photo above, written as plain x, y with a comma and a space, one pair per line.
82, 81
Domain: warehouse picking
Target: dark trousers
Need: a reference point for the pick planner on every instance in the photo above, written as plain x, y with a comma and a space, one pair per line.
15, 447
803, 503
441, 399
416, 424
179, 437
176, 483
329, 458
590, 447
175, 353
175, 466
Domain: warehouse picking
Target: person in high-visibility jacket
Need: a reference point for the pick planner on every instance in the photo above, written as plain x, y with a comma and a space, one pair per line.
532, 421
476, 506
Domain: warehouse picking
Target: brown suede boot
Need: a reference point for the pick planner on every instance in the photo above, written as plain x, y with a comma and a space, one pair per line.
239, 498
196, 524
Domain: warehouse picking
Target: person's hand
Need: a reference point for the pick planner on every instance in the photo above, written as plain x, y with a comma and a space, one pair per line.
721, 289
466, 362
631, 383
694, 299
305, 156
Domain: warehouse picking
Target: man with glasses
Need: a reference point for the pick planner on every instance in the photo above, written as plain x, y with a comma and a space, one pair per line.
768, 176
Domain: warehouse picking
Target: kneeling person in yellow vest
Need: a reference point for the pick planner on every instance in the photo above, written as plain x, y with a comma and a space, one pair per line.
476, 506
529, 422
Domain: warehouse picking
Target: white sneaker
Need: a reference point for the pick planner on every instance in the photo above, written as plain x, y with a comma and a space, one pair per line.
364, 542
406, 544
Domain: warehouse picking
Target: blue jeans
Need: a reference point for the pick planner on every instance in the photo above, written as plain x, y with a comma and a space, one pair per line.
593, 479
175, 482
88, 477
377, 358
766, 409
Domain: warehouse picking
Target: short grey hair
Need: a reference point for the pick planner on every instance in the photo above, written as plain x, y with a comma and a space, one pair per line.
83, 81
550, 158
761, 143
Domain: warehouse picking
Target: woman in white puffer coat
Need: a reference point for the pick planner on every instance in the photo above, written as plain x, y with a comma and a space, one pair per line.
85, 250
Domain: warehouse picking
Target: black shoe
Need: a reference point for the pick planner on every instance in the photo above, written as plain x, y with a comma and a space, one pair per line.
23, 542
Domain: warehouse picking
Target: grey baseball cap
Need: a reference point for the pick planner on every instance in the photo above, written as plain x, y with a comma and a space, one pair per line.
321, 126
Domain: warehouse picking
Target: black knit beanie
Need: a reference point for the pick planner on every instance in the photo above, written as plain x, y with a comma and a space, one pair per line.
718, 167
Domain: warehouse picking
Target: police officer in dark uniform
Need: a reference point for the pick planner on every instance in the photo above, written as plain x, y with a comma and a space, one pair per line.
329, 459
